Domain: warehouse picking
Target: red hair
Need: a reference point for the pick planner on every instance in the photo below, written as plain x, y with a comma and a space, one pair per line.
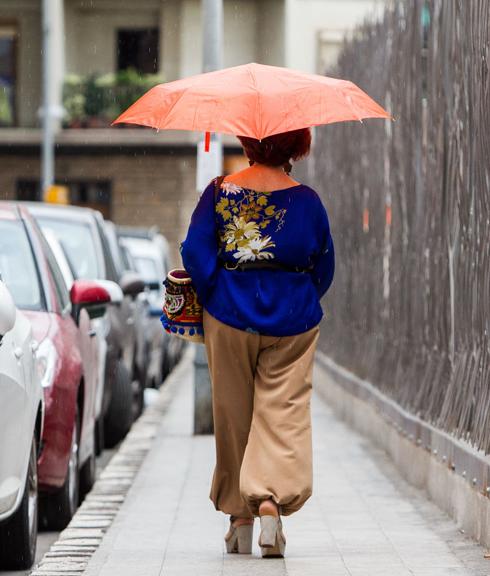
279, 149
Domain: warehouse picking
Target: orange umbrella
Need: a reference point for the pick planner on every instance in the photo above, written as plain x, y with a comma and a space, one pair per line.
251, 100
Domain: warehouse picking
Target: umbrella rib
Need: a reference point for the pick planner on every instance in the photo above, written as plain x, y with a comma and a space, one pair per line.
351, 104
167, 112
258, 100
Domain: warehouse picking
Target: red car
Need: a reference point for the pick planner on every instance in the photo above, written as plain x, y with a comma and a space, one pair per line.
61, 327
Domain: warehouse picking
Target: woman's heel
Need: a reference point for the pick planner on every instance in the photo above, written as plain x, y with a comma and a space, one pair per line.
272, 541
239, 539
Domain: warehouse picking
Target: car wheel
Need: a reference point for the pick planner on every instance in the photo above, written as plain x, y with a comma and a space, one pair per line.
99, 435
88, 471
58, 509
139, 384
119, 416
18, 535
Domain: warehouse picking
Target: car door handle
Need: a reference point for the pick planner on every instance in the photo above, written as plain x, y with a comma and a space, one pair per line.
18, 352
92, 333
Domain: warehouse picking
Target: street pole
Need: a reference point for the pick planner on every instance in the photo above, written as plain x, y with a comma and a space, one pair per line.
47, 170
212, 29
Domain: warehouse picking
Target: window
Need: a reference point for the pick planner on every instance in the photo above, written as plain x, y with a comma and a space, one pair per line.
8, 49
147, 267
28, 190
138, 49
79, 246
58, 280
94, 194
329, 45
17, 266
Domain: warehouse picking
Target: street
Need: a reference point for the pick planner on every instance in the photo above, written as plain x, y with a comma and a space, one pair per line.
46, 539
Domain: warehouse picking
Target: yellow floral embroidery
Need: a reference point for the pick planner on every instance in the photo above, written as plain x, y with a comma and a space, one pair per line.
239, 230
221, 208
245, 217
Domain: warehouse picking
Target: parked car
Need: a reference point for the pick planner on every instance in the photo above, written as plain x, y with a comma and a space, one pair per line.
80, 232
139, 306
172, 347
21, 422
146, 258
58, 319
93, 348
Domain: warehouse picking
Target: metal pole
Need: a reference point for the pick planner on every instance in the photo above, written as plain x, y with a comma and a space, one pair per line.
212, 29
47, 170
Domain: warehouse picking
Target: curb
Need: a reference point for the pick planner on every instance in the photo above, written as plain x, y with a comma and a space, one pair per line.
453, 474
77, 543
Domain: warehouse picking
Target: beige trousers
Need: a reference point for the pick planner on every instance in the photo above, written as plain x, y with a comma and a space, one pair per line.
262, 423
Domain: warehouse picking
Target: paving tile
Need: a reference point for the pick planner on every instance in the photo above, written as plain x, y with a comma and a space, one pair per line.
359, 521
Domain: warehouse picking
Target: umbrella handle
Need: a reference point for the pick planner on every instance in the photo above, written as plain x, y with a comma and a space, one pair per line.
207, 141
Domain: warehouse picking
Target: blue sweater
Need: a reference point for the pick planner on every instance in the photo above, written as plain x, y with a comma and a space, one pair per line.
288, 226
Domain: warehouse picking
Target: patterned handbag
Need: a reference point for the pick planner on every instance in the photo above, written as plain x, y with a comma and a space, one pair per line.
182, 312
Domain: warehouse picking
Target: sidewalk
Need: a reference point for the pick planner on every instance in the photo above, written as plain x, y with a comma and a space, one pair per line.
362, 520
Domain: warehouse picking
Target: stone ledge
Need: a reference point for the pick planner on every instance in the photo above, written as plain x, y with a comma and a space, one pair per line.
454, 475
117, 137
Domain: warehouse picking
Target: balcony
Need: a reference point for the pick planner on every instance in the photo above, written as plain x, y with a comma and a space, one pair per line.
94, 101
91, 103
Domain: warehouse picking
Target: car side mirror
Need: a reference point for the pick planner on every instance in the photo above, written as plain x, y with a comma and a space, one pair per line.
8, 311
132, 284
114, 290
89, 295
153, 285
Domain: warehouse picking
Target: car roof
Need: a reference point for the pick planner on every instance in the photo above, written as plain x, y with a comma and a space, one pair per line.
9, 211
72, 214
141, 247
138, 231
57, 211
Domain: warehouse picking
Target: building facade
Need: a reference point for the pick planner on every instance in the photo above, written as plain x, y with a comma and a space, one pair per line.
102, 49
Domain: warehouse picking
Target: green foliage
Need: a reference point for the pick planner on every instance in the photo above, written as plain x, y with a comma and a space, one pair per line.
102, 97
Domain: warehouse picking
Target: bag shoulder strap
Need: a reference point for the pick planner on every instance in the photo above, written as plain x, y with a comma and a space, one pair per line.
217, 185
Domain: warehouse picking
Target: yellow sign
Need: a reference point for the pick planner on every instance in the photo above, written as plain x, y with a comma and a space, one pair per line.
57, 194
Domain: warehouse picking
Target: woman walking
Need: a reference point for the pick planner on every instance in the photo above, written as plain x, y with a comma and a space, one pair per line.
261, 256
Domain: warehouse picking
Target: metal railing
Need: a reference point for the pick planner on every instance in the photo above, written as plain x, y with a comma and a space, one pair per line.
409, 203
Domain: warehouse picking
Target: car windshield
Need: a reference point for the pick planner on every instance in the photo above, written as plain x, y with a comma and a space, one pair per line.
17, 267
147, 268
78, 244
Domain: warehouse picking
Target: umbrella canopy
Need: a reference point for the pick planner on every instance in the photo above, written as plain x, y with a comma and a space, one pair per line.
251, 100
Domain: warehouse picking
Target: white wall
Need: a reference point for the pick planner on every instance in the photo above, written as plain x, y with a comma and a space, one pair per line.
91, 31
243, 41
310, 23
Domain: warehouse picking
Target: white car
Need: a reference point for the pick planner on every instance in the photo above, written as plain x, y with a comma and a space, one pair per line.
147, 258
21, 421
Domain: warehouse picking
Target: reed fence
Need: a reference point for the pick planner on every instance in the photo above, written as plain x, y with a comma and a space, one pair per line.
409, 203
